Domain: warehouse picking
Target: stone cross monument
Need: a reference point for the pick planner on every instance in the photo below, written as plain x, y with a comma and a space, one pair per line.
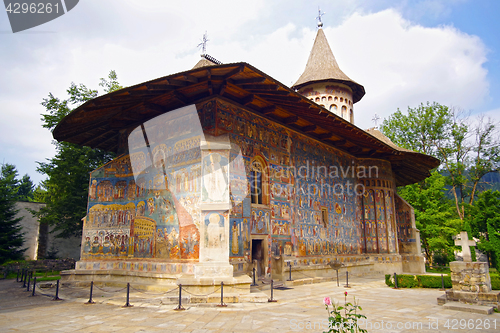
465, 243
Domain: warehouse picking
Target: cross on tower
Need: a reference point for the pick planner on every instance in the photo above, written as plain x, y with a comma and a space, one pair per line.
320, 24
464, 242
375, 119
203, 43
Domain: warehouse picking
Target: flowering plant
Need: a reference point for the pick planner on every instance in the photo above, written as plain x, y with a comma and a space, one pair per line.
346, 320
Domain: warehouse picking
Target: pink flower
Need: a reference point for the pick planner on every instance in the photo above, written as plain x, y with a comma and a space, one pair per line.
345, 293
327, 301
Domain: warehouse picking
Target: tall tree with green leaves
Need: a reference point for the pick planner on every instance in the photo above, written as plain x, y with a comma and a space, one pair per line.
485, 224
434, 217
11, 235
468, 150
65, 191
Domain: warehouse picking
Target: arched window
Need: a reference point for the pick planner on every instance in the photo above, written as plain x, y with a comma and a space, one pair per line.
335, 99
259, 182
317, 99
323, 99
329, 98
344, 110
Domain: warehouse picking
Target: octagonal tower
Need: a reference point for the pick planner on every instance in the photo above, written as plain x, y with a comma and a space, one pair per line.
324, 83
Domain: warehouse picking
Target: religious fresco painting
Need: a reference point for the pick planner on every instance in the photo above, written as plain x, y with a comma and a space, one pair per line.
280, 185
306, 213
145, 204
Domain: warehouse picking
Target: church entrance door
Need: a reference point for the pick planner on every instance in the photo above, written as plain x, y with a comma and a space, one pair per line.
258, 256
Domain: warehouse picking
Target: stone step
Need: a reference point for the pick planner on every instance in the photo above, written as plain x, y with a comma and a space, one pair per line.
481, 309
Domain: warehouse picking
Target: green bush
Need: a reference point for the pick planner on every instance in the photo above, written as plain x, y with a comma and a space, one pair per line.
428, 281
419, 281
495, 282
407, 281
389, 280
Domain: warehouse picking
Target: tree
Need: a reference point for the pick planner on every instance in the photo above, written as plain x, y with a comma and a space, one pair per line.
65, 191
485, 224
11, 236
434, 217
468, 151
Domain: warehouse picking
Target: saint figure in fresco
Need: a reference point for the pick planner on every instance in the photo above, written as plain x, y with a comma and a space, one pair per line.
214, 179
235, 234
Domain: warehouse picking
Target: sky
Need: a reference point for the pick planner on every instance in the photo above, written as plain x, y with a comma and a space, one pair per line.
403, 52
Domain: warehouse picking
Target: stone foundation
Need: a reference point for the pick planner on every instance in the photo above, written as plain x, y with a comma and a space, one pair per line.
471, 284
470, 276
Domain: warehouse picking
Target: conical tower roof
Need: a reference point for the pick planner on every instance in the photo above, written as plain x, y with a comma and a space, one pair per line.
322, 67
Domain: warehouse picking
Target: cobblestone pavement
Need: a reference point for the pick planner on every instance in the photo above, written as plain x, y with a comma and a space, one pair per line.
299, 309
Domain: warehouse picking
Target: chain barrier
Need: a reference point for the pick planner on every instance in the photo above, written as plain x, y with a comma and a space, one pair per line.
153, 294
110, 291
213, 292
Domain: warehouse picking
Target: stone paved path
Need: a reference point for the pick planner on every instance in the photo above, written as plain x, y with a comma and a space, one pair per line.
298, 310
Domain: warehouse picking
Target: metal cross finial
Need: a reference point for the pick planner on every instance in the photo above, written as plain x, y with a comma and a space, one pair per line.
320, 24
203, 43
376, 119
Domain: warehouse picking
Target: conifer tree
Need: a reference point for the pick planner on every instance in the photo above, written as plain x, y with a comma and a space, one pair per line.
11, 236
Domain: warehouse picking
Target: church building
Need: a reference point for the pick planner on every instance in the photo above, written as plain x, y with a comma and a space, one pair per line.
222, 169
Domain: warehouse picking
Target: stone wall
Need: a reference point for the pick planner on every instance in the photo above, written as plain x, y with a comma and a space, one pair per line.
39, 240
470, 276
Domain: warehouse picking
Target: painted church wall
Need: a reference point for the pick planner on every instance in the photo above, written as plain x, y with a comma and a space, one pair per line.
145, 204
309, 206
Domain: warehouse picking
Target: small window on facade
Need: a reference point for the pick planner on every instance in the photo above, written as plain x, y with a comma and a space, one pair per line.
256, 183
317, 99
335, 99
323, 99
329, 98
324, 216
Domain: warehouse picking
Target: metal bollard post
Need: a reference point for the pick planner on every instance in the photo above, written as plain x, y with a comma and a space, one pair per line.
29, 280
25, 277
22, 275
395, 281
222, 295
337, 277
56, 297
442, 282
17, 277
180, 308
128, 305
253, 284
347, 280
272, 294
34, 286
91, 301
290, 279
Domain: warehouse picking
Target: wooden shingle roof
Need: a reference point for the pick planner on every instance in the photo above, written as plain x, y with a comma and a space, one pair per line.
101, 122
322, 67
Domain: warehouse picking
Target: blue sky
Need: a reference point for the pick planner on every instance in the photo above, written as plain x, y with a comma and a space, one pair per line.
403, 52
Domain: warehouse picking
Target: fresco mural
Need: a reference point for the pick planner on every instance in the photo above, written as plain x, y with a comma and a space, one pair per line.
145, 204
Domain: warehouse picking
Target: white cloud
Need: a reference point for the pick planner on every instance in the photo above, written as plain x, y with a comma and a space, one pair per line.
400, 63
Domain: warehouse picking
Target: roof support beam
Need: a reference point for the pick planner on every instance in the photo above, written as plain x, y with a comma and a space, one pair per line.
268, 109
235, 71
248, 81
310, 128
247, 100
290, 120
325, 136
